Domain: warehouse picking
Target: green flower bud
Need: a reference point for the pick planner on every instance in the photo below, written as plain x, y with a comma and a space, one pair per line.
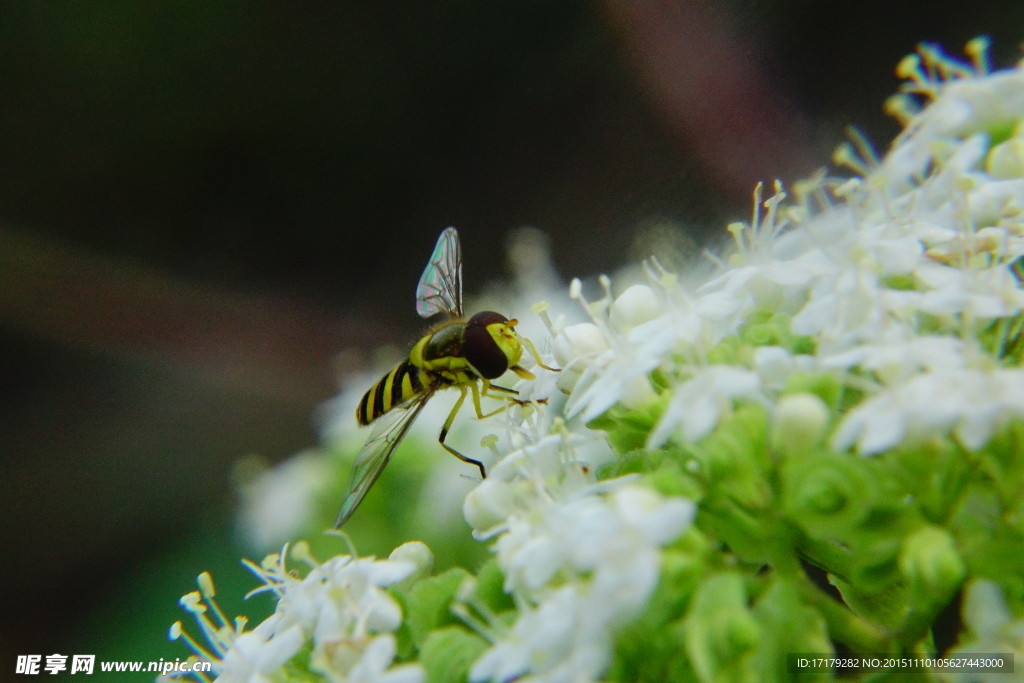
931, 565
827, 387
799, 424
418, 554
826, 494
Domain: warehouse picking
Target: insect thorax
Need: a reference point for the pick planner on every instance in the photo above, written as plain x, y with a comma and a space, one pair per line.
444, 343
484, 346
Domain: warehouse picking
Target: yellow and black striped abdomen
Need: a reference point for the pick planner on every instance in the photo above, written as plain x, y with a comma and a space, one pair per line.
395, 388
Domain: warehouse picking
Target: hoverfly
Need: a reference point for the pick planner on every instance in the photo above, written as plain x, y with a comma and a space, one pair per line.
456, 353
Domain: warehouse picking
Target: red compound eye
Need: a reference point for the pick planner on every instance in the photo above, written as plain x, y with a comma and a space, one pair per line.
485, 318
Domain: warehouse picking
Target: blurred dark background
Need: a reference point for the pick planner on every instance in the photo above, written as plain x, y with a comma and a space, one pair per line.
202, 204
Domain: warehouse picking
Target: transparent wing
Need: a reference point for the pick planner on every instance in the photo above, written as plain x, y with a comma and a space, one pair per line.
387, 433
440, 288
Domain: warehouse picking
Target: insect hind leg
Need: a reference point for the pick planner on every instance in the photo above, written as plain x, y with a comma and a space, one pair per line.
448, 425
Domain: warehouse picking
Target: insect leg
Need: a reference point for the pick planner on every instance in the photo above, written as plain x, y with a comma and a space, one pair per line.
486, 393
536, 356
522, 372
476, 401
448, 425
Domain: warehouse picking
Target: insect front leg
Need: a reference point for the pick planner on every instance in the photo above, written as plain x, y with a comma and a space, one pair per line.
536, 356
504, 390
448, 425
510, 399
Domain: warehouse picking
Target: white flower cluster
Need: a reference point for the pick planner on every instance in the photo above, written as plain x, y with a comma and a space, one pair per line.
900, 282
894, 276
579, 557
339, 610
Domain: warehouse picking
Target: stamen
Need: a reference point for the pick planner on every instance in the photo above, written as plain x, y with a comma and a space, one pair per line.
737, 230
770, 229
977, 50
576, 290
490, 442
901, 107
909, 69
302, 553
864, 147
541, 309
177, 632
192, 602
810, 188
714, 259
205, 582
756, 218
846, 156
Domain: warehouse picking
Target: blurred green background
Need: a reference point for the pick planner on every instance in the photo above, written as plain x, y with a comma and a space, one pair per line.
209, 211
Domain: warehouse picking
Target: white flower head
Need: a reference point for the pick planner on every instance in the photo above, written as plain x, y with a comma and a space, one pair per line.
970, 403
698, 403
338, 608
604, 547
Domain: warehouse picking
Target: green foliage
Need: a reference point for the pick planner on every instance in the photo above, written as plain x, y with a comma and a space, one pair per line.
897, 535
628, 429
827, 387
772, 328
448, 653
490, 588
898, 281
720, 632
1004, 339
788, 624
429, 603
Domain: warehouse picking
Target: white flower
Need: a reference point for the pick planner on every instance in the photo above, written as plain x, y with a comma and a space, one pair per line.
1006, 160
235, 655
338, 607
417, 554
698, 403
633, 307
584, 340
340, 598
255, 655
604, 549
898, 355
377, 657
843, 309
556, 642
489, 504
991, 628
969, 402
775, 365
988, 293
